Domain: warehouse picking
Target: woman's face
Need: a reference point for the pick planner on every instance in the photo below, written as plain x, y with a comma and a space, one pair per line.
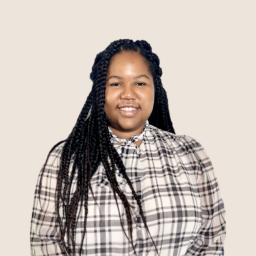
129, 95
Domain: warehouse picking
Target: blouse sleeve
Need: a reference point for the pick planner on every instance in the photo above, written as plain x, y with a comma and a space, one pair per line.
211, 235
44, 229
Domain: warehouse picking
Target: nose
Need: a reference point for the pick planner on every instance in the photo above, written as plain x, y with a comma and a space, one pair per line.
128, 92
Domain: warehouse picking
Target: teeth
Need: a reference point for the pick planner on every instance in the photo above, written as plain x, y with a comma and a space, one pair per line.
128, 109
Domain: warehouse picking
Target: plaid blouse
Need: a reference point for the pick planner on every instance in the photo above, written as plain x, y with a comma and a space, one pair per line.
174, 179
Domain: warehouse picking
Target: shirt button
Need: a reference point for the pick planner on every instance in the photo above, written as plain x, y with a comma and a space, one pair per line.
138, 228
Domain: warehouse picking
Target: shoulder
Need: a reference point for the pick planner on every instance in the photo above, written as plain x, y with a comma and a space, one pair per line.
155, 132
171, 137
181, 144
189, 151
54, 155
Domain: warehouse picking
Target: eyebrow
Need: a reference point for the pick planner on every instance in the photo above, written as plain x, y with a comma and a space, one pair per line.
136, 77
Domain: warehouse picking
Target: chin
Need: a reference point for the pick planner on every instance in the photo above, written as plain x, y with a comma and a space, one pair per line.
130, 125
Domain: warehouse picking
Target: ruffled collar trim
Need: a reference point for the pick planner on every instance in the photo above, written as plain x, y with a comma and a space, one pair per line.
114, 139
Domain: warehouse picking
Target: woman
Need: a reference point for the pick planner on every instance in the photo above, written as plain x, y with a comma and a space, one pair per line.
123, 183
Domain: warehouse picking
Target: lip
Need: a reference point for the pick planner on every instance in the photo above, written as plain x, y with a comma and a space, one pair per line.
127, 106
131, 113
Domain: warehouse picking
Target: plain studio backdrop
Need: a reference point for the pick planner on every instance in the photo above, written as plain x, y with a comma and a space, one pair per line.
207, 53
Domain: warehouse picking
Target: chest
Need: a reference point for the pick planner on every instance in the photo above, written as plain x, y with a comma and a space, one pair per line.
165, 184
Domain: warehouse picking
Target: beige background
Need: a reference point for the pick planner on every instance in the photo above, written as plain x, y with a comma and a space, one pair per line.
207, 53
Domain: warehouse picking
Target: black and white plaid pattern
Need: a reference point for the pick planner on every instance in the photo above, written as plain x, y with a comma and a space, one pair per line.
179, 193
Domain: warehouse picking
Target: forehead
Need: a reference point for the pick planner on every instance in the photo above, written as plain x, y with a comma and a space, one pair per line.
128, 59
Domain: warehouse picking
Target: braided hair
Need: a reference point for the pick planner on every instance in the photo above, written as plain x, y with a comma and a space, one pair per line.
89, 145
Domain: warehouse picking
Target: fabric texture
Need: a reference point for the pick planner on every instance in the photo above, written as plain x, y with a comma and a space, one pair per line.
175, 181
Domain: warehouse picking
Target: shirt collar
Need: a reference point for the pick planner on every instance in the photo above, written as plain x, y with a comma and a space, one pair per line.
114, 139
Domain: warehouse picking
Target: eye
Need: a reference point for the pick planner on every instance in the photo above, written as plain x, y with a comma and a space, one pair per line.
140, 84
115, 84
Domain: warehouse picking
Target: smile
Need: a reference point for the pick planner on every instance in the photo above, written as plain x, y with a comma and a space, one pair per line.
128, 111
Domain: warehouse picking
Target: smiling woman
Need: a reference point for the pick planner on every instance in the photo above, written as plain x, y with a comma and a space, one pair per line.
123, 183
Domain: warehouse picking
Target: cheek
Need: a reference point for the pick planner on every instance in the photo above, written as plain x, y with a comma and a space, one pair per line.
110, 100
108, 108
108, 97
148, 98
150, 102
